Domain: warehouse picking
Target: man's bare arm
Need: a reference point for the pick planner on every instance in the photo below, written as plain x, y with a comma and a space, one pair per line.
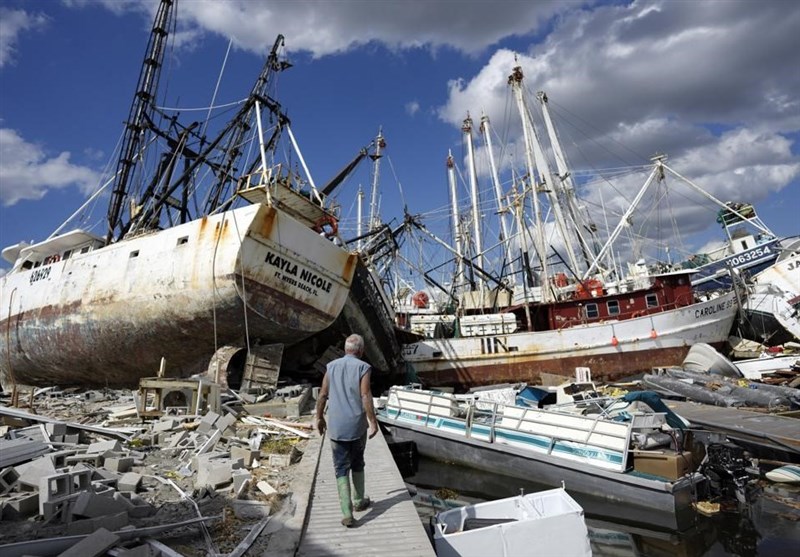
322, 399
366, 401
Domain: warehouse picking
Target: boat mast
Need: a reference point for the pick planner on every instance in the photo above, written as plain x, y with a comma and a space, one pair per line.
360, 223
374, 217
501, 208
242, 124
140, 114
565, 184
451, 179
515, 80
473, 185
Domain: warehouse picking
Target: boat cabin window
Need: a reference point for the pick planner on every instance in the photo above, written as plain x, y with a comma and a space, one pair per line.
85, 249
67, 254
613, 307
744, 244
37, 264
183, 240
592, 311
27, 265
135, 254
652, 300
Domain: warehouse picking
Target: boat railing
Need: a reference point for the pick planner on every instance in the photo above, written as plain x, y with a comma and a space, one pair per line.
589, 432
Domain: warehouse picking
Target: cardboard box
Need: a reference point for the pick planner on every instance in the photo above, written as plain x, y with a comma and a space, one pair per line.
667, 464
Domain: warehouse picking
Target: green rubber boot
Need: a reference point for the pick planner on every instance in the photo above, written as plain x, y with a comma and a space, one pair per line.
360, 501
343, 485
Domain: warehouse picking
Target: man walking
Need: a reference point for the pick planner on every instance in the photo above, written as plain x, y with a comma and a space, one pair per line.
351, 416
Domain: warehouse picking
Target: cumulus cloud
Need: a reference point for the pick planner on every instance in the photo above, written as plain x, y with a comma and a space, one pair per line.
12, 23
628, 81
323, 28
27, 172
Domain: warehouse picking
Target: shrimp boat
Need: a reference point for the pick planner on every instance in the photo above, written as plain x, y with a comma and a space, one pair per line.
772, 309
618, 450
206, 255
579, 310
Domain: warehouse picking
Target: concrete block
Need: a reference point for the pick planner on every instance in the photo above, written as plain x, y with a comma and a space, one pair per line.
54, 429
104, 474
250, 510
177, 439
246, 454
212, 441
51, 509
208, 421
53, 488
214, 474
73, 438
165, 425
101, 447
265, 488
92, 505
111, 522
140, 508
94, 459
8, 479
32, 472
21, 506
118, 464
130, 481
240, 477
59, 458
225, 422
81, 479
94, 545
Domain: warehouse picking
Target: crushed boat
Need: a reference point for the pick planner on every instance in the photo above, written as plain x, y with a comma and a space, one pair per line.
612, 449
550, 521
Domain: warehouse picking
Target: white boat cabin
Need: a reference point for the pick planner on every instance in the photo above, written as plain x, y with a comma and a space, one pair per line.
26, 256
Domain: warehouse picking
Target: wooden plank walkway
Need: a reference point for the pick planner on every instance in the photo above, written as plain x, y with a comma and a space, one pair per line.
391, 526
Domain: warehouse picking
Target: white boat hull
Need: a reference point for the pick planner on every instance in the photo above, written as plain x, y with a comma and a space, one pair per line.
610, 349
550, 521
108, 316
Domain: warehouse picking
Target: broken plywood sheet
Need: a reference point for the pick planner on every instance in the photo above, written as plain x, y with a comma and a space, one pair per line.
262, 367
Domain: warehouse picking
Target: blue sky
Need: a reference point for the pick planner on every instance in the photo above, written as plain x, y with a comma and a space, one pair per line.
712, 84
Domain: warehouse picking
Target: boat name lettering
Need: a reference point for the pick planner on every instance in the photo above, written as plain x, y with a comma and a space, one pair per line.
315, 280
281, 263
793, 265
711, 310
751, 255
306, 280
40, 274
410, 349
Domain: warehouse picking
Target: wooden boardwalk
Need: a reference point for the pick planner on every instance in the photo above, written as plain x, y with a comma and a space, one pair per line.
391, 526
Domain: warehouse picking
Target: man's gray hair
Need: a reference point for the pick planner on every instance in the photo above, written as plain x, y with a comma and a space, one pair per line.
354, 344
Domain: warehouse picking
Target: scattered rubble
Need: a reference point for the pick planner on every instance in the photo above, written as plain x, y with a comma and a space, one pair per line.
177, 468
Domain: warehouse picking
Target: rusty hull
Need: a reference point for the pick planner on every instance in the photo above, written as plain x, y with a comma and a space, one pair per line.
106, 318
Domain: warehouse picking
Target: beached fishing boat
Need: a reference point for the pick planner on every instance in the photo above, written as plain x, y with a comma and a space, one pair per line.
582, 308
613, 450
749, 247
198, 253
772, 309
544, 523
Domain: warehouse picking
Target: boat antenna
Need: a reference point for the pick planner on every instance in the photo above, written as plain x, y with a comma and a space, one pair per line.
141, 111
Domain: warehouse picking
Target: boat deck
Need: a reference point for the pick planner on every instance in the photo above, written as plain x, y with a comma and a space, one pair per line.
391, 526
780, 432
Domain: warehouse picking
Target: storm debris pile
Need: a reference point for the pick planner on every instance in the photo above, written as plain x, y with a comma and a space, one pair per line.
87, 472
